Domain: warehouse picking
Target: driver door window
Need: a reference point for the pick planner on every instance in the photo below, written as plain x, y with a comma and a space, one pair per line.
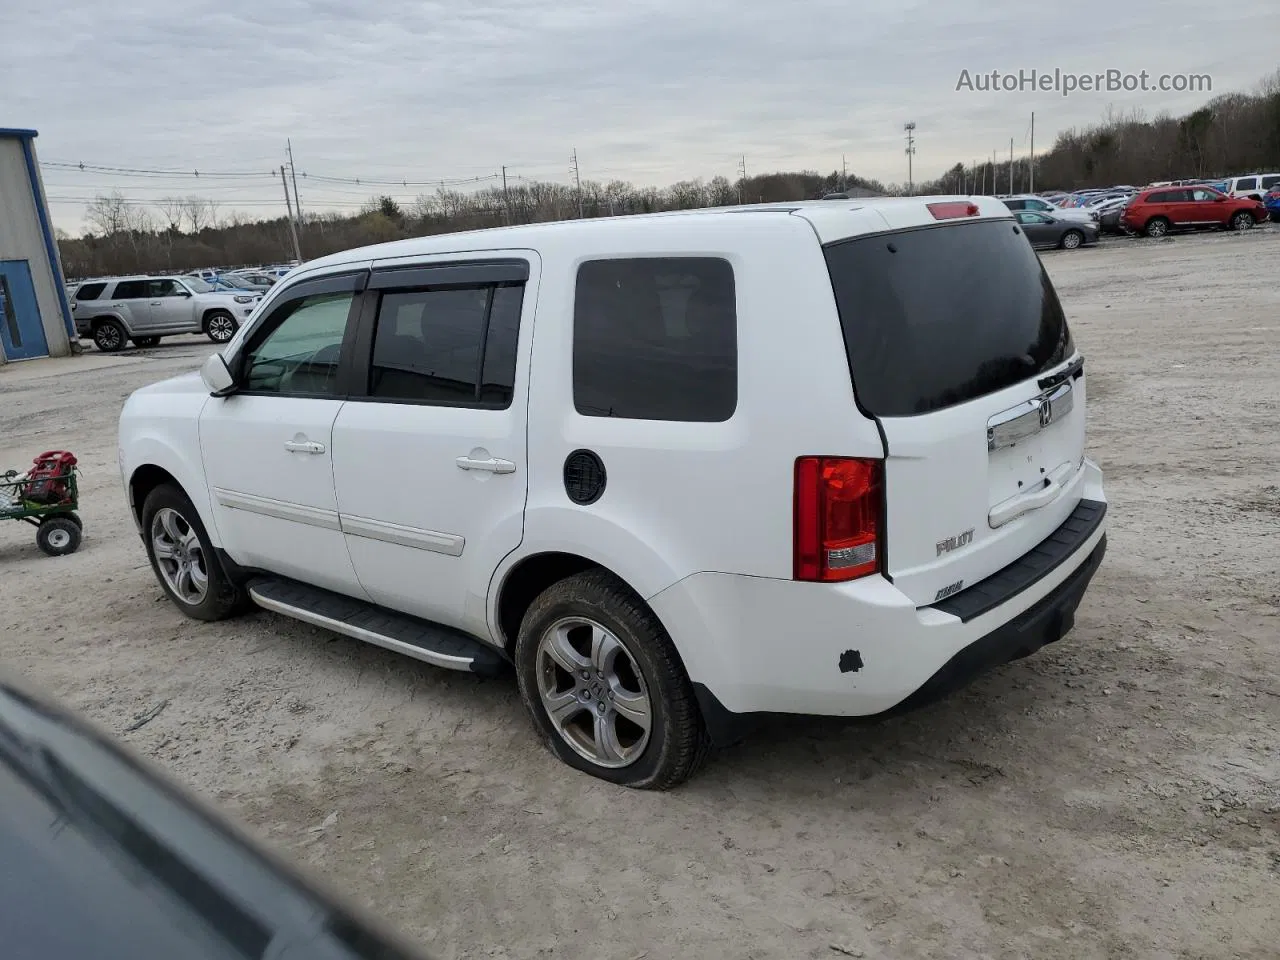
299, 357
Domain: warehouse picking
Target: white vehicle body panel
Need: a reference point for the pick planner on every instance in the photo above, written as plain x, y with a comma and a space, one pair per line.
697, 517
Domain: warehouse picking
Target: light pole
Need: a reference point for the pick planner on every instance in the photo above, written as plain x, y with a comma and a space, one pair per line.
910, 129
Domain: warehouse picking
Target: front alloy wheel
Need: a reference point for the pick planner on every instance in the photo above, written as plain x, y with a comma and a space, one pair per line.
221, 328
180, 559
593, 692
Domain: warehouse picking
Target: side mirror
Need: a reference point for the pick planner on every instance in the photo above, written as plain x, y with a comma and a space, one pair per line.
217, 376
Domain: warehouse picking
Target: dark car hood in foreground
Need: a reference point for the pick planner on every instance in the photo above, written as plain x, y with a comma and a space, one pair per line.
101, 857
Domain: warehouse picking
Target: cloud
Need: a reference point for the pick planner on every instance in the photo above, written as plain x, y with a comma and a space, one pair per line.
649, 90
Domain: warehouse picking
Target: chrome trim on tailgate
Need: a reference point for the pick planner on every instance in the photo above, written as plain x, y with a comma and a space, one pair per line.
1010, 427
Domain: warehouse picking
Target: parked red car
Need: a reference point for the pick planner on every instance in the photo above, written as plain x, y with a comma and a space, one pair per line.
1159, 210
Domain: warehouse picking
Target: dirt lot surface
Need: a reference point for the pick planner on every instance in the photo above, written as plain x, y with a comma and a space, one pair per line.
1115, 795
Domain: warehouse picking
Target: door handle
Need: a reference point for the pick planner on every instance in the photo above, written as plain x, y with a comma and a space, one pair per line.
492, 465
304, 446
156, 303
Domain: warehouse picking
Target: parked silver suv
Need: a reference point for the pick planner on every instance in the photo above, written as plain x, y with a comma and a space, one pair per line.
144, 309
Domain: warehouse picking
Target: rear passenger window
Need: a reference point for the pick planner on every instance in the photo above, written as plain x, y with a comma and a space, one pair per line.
131, 290
1246, 183
453, 347
656, 339
89, 291
1269, 182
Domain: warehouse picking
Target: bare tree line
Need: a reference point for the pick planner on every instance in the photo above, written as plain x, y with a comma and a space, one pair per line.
1231, 134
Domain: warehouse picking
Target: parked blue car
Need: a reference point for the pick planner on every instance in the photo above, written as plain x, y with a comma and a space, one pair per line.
1271, 200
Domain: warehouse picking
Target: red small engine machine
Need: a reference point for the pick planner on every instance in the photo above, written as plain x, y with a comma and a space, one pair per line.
49, 479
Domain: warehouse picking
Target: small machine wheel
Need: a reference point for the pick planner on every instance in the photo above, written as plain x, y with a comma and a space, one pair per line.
58, 536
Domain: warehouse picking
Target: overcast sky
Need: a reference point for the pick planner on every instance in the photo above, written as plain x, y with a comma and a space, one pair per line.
651, 91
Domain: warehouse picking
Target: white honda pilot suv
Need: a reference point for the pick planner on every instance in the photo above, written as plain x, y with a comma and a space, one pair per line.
680, 471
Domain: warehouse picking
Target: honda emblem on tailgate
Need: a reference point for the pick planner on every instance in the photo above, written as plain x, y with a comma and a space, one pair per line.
1046, 412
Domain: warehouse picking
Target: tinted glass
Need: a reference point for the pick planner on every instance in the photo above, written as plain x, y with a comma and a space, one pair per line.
656, 339
131, 290
939, 316
90, 291
300, 356
430, 346
1246, 183
499, 376
1269, 182
1202, 196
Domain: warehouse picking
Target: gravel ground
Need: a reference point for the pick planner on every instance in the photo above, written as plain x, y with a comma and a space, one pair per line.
1113, 796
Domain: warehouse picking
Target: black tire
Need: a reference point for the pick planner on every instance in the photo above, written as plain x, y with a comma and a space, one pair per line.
109, 336
146, 341
222, 598
1243, 220
677, 743
74, 518
58, 535
1071, 240
220, 326
1156, 228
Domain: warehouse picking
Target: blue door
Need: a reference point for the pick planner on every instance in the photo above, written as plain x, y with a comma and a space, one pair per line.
21, 331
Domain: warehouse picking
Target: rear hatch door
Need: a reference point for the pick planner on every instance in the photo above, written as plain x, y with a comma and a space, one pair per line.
959, 348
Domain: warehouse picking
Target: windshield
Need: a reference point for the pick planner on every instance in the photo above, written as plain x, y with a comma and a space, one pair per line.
196, 285
939, 316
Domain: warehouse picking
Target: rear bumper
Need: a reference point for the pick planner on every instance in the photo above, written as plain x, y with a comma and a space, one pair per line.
755, 645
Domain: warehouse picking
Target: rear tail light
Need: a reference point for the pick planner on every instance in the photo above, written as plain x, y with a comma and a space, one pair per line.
839, 518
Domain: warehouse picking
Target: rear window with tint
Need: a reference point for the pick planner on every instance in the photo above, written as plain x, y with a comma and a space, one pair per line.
131, 290
939, 316
89, 291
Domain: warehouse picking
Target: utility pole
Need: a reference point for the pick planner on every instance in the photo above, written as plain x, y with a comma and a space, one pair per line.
910, 128
1031, 164
293, 228
297, 200
577, 179
506, 198
1011, 164
844, 172
742, 177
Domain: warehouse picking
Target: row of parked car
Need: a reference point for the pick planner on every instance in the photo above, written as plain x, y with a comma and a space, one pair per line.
1077, 218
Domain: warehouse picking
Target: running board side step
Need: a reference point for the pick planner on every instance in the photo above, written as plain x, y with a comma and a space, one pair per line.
399, 632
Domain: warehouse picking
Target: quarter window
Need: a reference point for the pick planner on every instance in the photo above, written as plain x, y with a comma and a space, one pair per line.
1246, 183
447, 346
300, 356
89, 291
656, 339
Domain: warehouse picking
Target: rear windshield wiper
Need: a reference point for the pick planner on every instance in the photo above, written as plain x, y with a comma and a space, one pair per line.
1066, 373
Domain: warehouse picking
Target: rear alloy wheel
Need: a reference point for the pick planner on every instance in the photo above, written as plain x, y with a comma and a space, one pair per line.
1157, 227
1072, 239
220, 326
1242, 220
109, 336
605, 686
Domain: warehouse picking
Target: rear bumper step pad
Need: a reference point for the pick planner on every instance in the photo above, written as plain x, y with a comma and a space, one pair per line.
1005, 584
411, 636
